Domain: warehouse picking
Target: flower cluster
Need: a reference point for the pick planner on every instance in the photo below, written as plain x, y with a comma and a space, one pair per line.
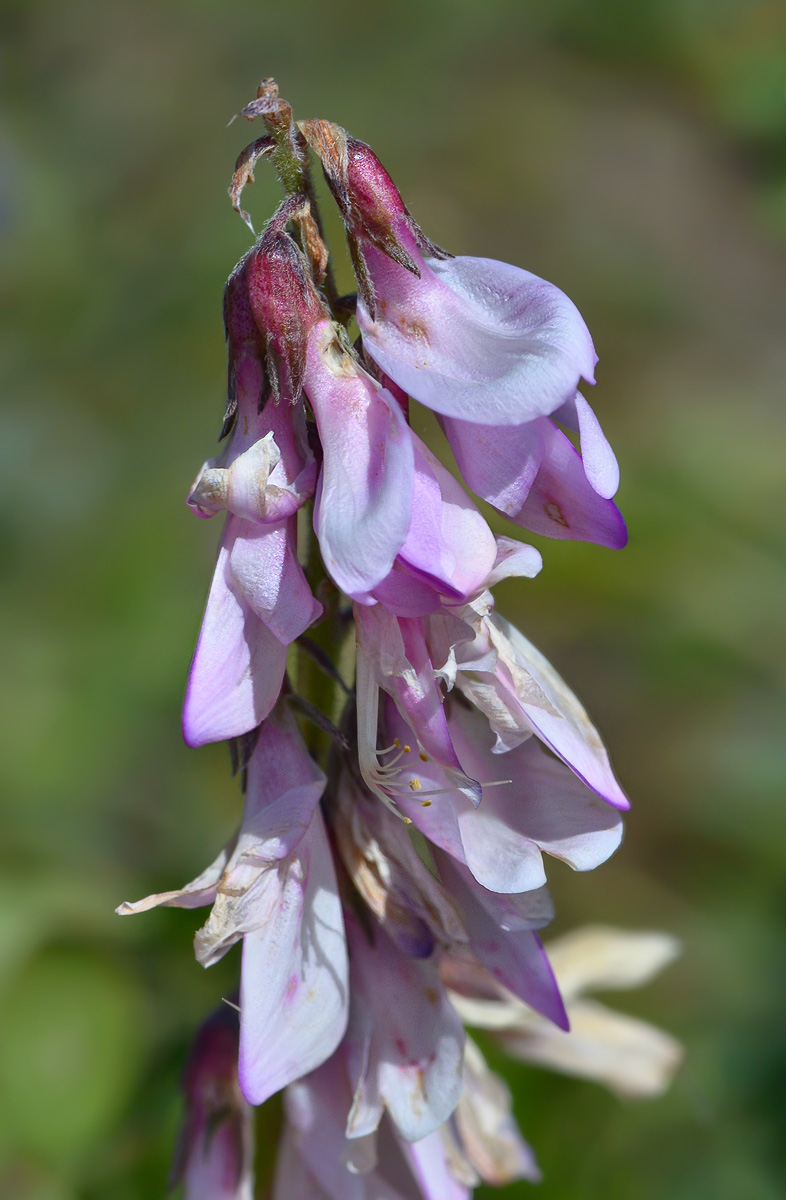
390, 887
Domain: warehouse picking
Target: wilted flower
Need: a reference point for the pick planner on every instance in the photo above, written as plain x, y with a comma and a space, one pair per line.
388, 880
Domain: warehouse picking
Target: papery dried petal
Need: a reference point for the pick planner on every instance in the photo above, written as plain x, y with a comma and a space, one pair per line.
629, 1056
490, 1136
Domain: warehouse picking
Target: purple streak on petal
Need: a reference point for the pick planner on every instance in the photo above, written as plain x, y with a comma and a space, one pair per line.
238, 665
405, 595
436, 817
294, 987
364, 498
516, 959
534, 475
420, 698
476, 339
516, 910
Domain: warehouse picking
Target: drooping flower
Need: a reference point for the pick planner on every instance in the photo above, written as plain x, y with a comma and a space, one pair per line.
401, 892
259, 601
274, 885
493, 349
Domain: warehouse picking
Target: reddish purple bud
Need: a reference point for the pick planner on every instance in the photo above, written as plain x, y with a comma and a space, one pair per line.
370, 203
246, 374
285, 305
214, 1159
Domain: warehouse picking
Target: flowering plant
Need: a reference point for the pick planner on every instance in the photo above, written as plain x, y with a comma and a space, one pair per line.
388, 878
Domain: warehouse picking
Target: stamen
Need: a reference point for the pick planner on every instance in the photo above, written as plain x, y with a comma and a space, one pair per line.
415, 784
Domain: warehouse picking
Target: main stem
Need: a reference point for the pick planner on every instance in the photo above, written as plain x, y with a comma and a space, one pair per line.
334, 634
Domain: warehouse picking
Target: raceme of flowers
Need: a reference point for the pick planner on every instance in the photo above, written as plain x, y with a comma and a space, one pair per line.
388, 879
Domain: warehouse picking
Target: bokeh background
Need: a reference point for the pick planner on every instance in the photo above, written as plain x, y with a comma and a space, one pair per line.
633, 153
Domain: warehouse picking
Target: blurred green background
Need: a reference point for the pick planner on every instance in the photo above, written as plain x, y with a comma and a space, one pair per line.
633, 153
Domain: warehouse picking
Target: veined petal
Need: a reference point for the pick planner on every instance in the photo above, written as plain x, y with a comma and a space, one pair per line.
238, 665
294, 981
561, 721
499, 463
283, 787
364, 498
476, 339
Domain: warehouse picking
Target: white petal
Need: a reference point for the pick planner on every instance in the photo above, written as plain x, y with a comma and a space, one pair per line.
629, 1056
597, 957
294, 982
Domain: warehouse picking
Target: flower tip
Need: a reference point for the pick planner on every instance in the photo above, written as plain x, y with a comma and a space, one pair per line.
620, 539
561, 1018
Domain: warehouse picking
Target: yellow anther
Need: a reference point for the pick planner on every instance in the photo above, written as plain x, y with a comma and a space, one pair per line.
407, 820
397, 743
425, 804
423, 757
407, 748
415, 784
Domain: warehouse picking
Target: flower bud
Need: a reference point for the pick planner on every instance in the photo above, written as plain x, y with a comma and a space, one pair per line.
284, 302
215, 1153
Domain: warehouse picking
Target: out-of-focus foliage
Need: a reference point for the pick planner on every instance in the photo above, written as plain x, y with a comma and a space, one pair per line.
635, 154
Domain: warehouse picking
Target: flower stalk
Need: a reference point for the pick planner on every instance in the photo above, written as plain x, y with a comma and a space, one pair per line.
351, 653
